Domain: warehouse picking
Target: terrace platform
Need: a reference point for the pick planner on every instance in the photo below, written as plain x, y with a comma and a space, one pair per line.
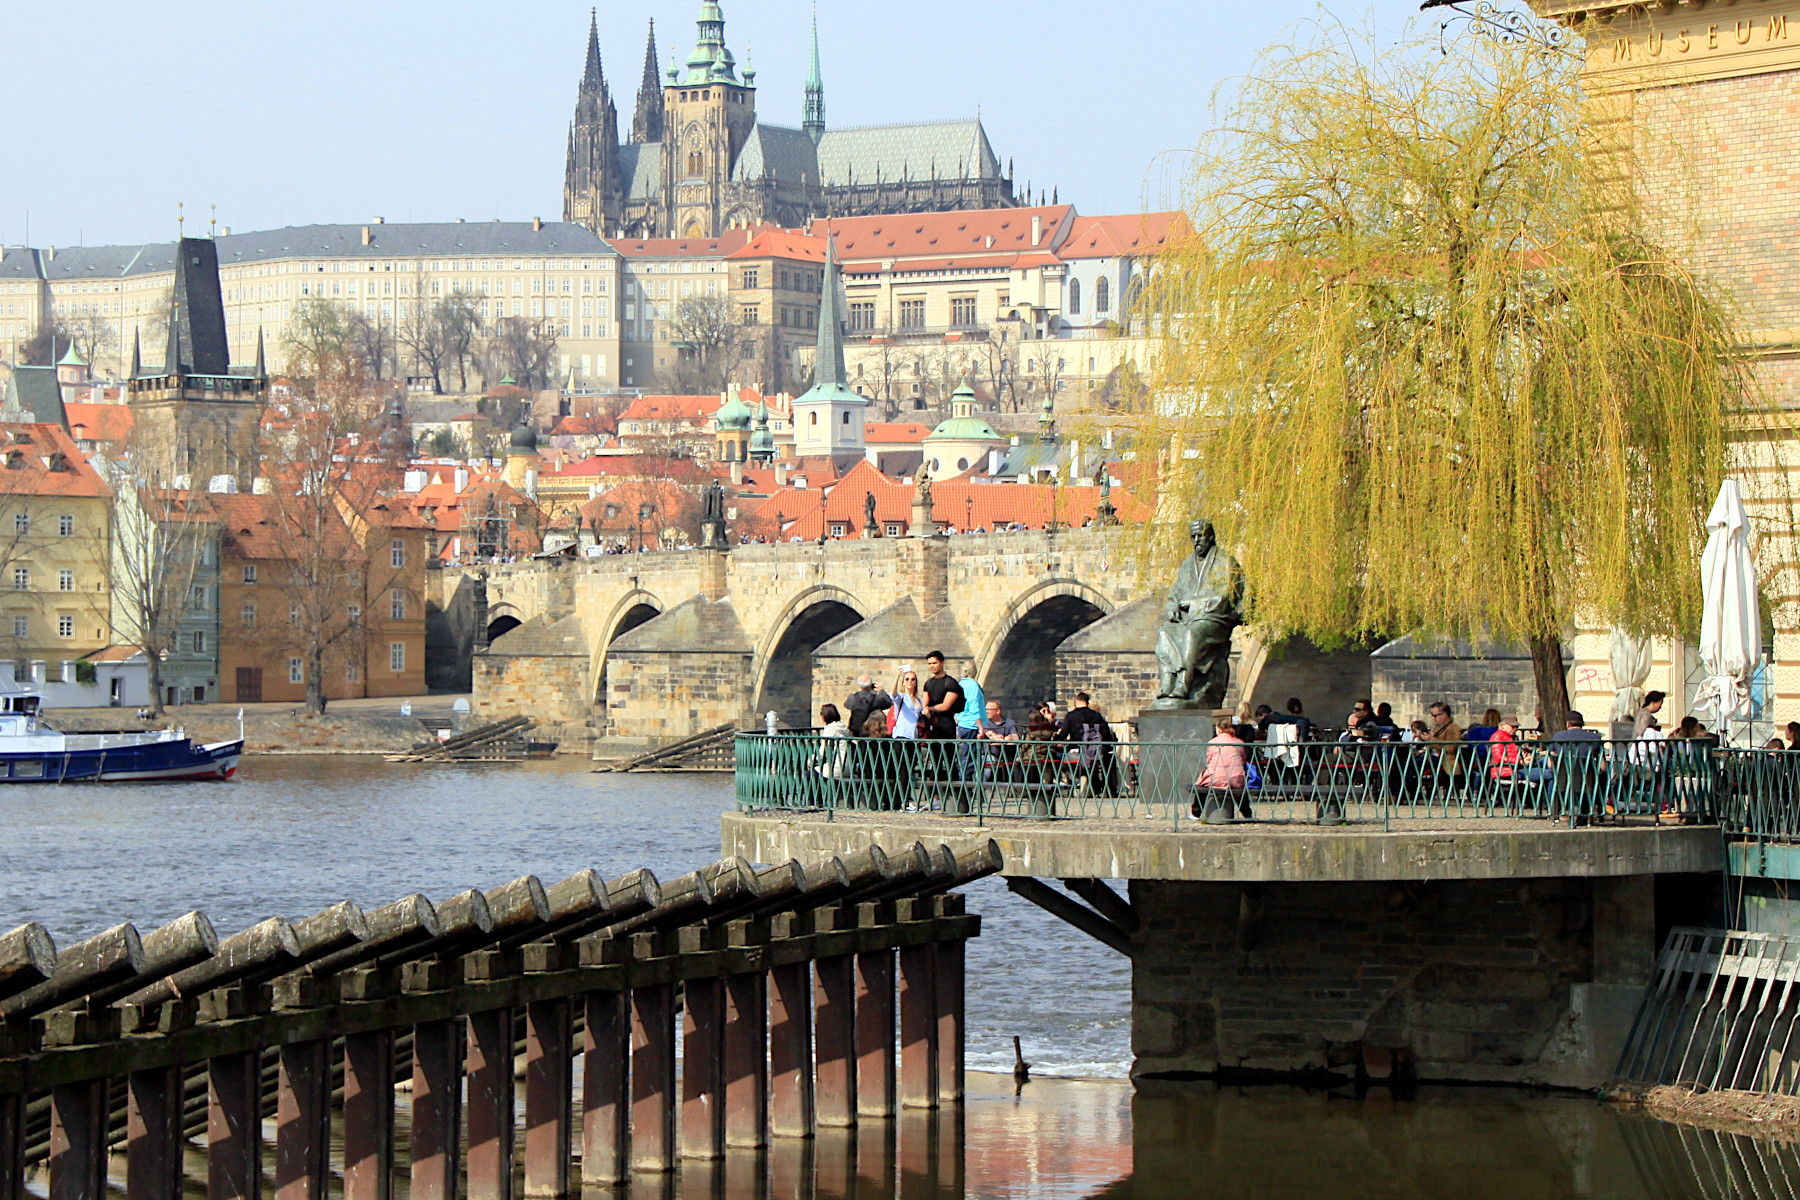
1429, 848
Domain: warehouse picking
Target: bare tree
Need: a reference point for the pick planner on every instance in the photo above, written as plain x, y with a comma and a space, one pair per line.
426, 334
46, 343
708, 345
1044, 370
160, 535
371, 340
525, 348
999, 365
462, 330
319, 342
94, 337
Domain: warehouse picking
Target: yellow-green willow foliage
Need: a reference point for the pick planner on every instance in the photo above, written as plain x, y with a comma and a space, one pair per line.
1436, 374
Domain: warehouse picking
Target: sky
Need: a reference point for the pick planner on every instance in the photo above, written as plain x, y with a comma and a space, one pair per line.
284, 113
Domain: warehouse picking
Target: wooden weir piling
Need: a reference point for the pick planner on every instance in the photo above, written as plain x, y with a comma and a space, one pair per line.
804, 997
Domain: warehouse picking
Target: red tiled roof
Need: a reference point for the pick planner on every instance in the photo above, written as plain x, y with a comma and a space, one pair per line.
26, 453
936, 235
100, 422
671, 408
1121, 235
583, 427
783, 243
727, 242
904, 431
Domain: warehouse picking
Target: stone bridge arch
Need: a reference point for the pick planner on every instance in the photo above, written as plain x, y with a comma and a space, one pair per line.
503, 618
627, 613
1017, 662
782, 667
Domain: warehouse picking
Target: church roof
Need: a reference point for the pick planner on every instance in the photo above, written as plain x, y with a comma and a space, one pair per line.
1121, 235
779, 153
948, 149
783, 243
942, 235
640, 164
32, 394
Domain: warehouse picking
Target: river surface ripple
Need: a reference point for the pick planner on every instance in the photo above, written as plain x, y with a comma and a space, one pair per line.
292, 835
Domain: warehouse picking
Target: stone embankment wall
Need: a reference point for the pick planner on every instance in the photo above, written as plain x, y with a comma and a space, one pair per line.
1515, 981
270, 730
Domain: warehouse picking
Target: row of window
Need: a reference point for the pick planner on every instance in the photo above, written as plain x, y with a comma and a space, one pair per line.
352, 669
1102, 297
798, 281
65, 524
65, 579
21, 626
396, 611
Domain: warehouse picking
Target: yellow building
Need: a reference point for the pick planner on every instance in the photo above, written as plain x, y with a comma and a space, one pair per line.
55, 551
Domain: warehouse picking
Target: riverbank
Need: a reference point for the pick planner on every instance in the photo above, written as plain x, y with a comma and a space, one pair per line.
362, 726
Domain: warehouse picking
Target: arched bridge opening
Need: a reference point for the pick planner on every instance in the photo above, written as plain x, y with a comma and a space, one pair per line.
787, 678
503, 624
628, 620
1022, 671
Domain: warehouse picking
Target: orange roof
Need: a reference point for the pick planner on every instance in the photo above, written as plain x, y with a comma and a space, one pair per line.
727, 242
783, 243
251, 526
905, 431
671, 408
114, 654
43, 460
937, 235
583, 427
1122, 235
100, 422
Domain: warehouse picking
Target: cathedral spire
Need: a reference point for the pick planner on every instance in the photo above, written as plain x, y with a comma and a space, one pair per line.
711, 62
593, 79
813, 122
647, 123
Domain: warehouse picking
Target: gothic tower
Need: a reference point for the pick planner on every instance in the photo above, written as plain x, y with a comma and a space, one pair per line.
708, 114
647, 122
813, 120
592, 189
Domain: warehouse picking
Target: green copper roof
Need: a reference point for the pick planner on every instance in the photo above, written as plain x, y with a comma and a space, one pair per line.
733, 414
965, 429
762, 441
710, 62
72, 359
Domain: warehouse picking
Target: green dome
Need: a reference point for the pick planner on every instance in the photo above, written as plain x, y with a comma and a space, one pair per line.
965, 429
734, 414
762, 441
524, 440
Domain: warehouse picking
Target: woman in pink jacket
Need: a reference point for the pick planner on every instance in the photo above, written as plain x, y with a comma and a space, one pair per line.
1220, 790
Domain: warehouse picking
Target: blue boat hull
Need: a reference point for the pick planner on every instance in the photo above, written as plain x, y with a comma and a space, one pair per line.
178, 758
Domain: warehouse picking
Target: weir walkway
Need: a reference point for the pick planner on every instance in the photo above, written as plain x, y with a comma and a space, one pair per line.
803, 996
1375, 910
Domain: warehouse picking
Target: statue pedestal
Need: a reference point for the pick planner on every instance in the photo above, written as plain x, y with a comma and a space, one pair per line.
1172, 752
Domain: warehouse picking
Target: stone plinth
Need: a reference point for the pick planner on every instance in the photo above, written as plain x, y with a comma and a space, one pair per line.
1172, 751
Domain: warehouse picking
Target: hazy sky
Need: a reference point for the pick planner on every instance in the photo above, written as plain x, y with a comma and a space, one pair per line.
286, 113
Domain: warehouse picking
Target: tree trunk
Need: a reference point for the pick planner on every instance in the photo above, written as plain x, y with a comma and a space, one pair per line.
1552, 684
315, 679
154, 661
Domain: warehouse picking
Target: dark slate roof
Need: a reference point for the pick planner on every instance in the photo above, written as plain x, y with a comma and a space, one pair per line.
778, 153
35, 392
641, 166
200, 308
951, 149
388, 240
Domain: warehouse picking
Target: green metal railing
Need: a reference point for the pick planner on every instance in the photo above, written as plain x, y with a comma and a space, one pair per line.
1578, 783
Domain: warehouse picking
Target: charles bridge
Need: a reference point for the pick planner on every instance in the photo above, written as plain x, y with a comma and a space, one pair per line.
638, 650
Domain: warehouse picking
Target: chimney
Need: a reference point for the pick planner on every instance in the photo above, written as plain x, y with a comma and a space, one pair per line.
989, 242
780, 474
462, 480
50, 253
737, 472
262, 485
224, 231
537, 224
367, 237
381, 220
1037, 228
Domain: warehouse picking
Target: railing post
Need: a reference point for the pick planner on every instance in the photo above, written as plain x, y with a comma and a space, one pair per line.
369, 1115
234, 1126
834, 1026
303, 1121
78, 1140
703, 1069
549, 1098
152, 1135
918, 1027
746, 1060
436, 1109
790, 1050
491, 1098
605, 1101
653, 1077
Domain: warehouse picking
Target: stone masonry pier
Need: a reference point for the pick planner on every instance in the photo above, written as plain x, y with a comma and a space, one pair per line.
1491, 950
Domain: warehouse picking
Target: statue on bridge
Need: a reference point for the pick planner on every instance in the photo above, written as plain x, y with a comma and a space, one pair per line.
712, 519
1193, 647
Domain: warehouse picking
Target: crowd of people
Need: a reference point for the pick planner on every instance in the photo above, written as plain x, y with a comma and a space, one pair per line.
953, 707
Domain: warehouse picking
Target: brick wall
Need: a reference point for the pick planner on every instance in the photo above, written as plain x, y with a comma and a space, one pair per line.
1472, 979
550, 688
1468, 686
1122, 683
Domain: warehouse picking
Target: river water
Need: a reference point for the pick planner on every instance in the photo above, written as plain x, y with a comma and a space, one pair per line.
292, 835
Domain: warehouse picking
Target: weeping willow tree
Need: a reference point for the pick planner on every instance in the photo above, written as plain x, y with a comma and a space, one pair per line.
1431, 370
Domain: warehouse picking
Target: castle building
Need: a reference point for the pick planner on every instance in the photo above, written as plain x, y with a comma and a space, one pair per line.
699, 162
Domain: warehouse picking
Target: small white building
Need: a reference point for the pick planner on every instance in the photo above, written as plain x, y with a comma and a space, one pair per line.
116, 677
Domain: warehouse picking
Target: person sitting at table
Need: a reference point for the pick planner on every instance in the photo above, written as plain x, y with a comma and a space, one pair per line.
998, 728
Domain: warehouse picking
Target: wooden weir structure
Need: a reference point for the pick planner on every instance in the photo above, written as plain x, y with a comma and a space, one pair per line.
803, 996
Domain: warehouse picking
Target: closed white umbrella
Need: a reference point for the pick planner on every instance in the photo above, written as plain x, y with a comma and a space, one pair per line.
1730, 628
1630, 659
